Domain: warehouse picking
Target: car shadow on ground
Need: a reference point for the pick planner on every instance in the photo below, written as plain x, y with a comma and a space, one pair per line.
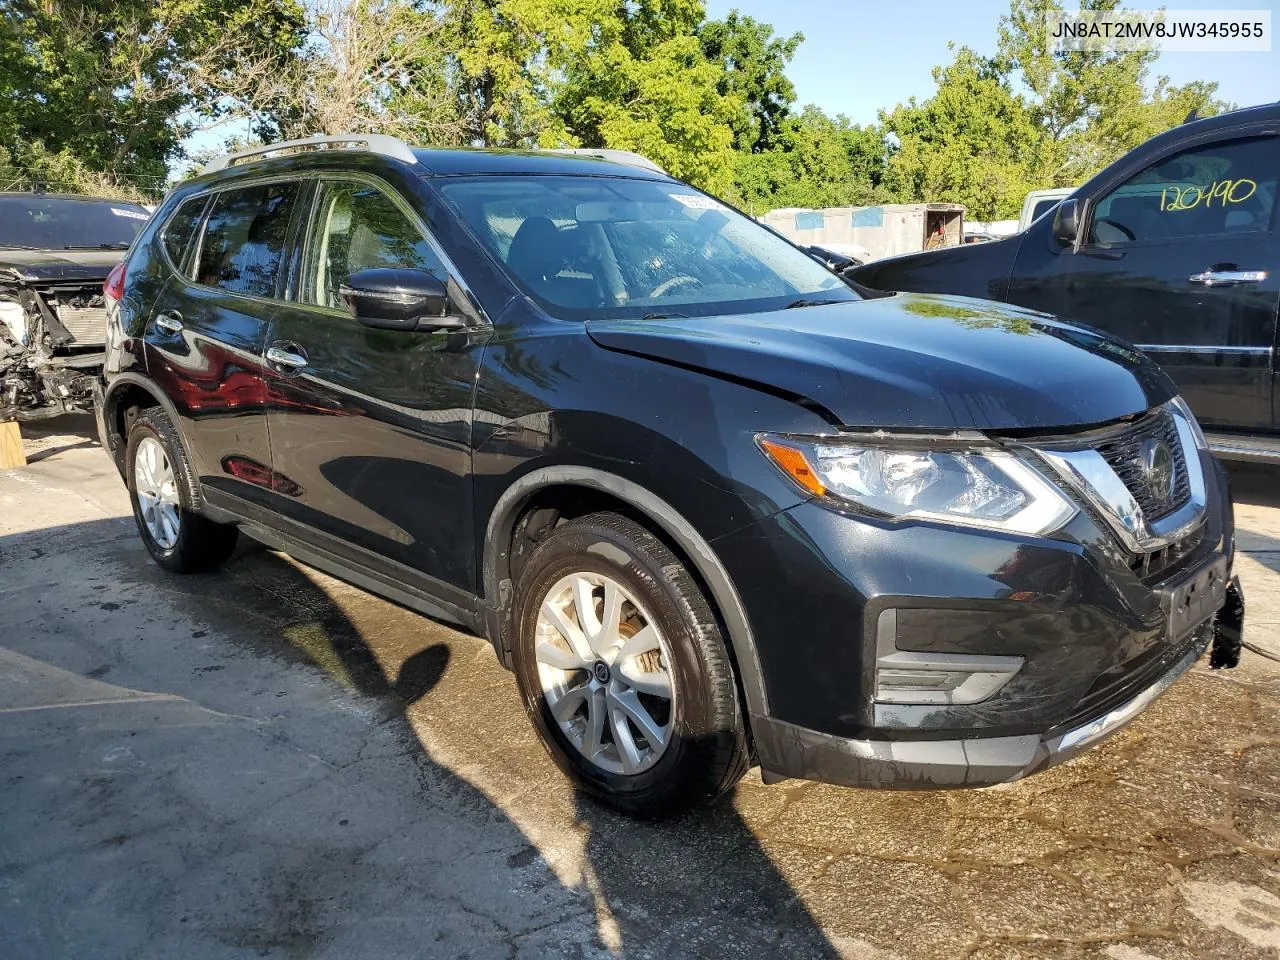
664, 887
644, 889
1254, 483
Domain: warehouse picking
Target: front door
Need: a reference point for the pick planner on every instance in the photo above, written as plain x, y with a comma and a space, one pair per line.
1182, 259
371, 429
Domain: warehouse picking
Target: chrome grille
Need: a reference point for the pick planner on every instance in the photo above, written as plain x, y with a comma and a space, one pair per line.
87, 325
1123, 454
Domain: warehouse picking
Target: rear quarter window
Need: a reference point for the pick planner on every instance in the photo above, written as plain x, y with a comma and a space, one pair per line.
181, 229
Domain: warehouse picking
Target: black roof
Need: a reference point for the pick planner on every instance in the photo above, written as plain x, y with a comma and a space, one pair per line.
433, 161
452, 162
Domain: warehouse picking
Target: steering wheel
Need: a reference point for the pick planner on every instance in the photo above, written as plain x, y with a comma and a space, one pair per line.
666, 286
1128, 235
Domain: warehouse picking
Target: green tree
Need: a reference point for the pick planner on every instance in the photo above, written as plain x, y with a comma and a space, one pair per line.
639, 80
815, 161
753, 63
1091, 106
975, 141
501, 58
119, 84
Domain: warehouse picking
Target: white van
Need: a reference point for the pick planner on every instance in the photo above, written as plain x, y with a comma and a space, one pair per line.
1040, 202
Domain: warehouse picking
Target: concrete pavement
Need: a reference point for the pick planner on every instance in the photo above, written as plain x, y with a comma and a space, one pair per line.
267, 762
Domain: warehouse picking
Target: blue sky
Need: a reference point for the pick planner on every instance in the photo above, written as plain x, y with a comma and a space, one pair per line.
859, 56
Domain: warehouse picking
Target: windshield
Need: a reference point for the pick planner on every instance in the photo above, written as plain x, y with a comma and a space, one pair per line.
58, 223
597, 247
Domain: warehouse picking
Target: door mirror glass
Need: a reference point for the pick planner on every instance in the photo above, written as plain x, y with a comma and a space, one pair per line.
390, 298
1066, 222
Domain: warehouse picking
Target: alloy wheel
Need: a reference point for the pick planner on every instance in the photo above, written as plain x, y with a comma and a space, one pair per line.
157, 491
605, 672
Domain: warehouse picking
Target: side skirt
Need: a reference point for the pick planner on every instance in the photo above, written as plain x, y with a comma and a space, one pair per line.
405, 586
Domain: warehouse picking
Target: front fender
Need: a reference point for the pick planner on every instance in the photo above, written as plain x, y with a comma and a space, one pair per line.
497, 585
676, 445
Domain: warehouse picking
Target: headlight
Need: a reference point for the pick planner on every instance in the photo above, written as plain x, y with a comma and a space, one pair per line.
992, 489
1180, 406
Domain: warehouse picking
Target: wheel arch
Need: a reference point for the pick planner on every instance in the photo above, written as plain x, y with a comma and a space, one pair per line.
125, 392
511, 506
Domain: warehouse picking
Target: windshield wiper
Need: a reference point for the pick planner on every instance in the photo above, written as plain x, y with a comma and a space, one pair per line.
805, 302
95, 246
663, 316
17, 246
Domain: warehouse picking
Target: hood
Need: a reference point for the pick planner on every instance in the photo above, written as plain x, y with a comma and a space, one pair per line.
913, 361
63, 266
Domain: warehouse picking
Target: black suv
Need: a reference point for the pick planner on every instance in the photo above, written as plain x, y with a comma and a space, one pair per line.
55, 253
708, 504
1173, 247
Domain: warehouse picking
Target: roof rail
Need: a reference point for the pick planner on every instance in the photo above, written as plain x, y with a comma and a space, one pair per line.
392, 147
616, 156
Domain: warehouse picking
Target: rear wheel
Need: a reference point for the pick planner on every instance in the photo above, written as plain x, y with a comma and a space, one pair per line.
624, 670
164, 495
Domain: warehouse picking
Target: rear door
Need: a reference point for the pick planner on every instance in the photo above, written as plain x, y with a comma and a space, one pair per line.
206, 336
371, 429
1180, 258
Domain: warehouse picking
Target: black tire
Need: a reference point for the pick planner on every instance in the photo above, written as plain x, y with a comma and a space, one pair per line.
201, 544
706, 751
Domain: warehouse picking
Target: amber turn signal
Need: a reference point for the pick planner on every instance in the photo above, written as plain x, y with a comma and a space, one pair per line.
794, 465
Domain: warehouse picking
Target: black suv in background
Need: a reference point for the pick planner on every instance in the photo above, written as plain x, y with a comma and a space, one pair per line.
55, 252
1174, 248
708, 504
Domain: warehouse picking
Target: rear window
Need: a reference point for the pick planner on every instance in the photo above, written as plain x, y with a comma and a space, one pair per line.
1044, 206
244, 238
62, 223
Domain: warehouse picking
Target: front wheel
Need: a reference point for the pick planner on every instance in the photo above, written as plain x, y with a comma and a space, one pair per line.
624, 670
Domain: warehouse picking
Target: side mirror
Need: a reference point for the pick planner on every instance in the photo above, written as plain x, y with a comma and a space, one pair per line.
1066, 223
393, 299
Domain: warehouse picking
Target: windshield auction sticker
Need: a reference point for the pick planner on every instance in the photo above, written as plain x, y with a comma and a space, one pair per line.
695, 202
1199, 31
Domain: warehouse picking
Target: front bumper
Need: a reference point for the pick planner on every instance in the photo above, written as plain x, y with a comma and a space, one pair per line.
1092, 632
788, 751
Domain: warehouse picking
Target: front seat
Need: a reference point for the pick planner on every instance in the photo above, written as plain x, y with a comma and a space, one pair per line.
537, 253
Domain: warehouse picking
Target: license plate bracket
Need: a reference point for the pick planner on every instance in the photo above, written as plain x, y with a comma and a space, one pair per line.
1194, 600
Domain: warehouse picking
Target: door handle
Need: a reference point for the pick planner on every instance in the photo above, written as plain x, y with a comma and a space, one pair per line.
1227, 277
287, 358
170, 322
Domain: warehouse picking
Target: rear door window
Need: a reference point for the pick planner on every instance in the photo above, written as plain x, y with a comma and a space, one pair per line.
245, 236
1219, 188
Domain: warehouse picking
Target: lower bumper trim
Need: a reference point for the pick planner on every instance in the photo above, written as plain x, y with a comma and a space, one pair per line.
789, 751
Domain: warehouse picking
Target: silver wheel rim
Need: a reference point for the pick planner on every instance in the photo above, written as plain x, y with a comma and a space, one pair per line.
604, 667
157, 489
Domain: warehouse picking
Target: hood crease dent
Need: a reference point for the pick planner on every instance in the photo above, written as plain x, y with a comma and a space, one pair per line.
912, 361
